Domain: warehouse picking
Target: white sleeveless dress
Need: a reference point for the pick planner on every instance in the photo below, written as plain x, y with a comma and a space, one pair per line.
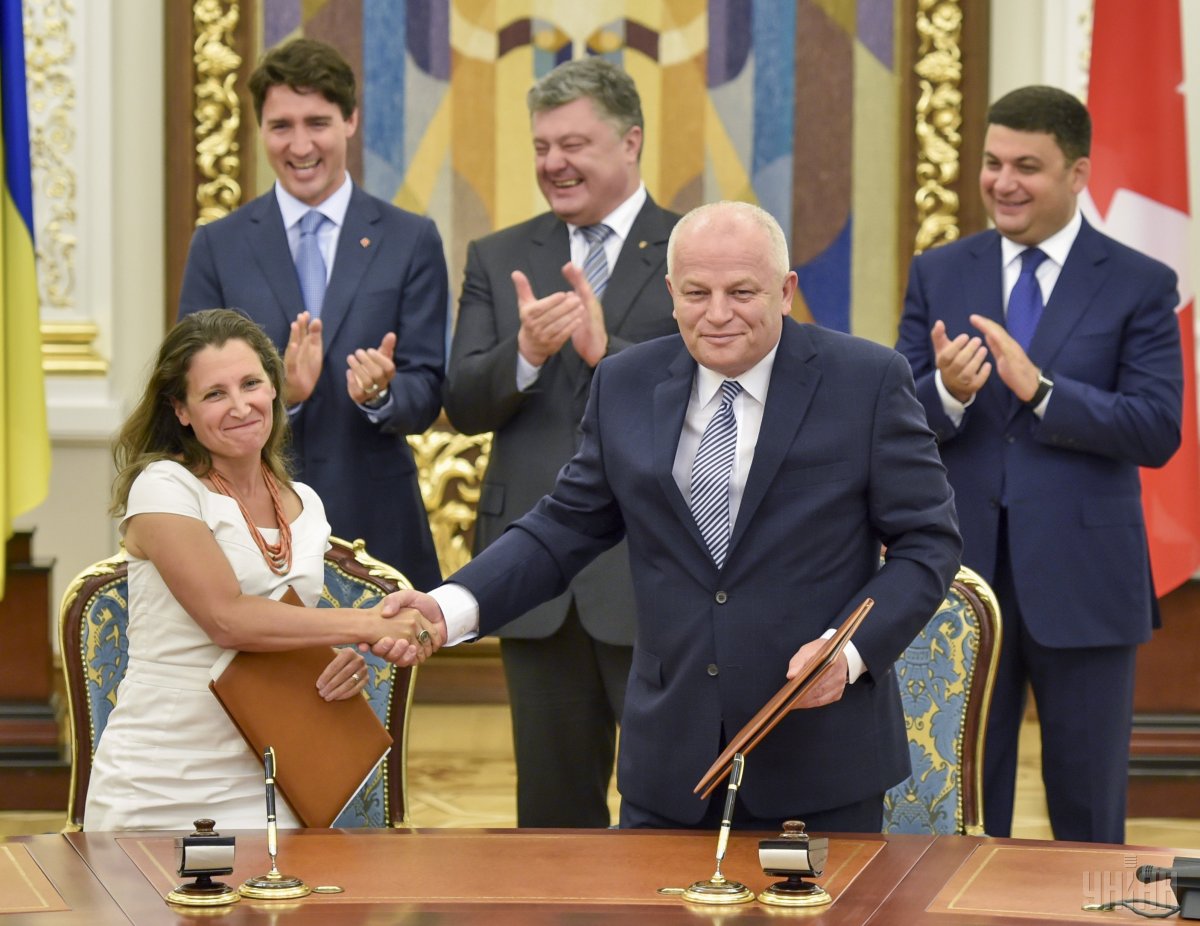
169, 755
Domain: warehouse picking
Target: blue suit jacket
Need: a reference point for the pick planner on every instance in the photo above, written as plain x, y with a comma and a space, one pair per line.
844, 461
389, 274
1110, 341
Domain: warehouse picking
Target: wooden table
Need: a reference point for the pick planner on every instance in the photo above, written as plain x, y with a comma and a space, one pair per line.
502, 877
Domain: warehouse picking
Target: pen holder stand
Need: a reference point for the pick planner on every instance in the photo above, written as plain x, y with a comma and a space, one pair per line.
718, 890
274, 886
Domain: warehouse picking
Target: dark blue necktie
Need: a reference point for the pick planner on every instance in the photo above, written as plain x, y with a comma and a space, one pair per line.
1025, 301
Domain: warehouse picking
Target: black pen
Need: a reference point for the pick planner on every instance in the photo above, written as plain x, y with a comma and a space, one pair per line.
272, 835
735, 780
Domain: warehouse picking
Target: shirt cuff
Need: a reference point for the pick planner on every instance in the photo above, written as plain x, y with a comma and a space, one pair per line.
954, 409
527, 373
460, 611
855, 667
378, 413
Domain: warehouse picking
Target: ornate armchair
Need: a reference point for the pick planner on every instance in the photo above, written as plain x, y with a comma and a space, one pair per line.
93, 643
946, 676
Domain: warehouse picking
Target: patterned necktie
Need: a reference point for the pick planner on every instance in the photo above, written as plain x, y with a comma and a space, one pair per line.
310, 265
710, 474
595, 265
1025, 301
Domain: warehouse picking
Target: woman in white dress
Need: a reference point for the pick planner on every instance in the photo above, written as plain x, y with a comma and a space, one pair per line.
215, 531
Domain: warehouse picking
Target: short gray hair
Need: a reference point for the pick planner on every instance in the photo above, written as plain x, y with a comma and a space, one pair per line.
610, 89
752, 213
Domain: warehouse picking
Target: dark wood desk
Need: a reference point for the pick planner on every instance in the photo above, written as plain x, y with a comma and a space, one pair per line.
549, 877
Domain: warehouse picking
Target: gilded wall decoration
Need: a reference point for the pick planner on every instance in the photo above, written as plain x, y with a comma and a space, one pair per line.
218, 111
938, 121
51, 61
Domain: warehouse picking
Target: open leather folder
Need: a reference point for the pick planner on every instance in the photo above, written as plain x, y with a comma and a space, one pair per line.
781, 702
325, 750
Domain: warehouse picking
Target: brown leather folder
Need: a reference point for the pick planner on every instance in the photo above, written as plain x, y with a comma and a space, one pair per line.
324, 750
781, 702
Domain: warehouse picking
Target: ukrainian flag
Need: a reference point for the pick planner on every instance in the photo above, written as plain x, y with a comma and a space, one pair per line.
24, 438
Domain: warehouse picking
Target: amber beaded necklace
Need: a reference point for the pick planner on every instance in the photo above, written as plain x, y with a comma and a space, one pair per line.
278, 555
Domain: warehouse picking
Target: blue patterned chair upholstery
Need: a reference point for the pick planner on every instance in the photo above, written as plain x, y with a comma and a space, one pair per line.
93, 643
946, 676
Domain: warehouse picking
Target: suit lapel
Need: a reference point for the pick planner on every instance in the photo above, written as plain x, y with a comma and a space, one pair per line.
269, 244
671, 398
983, 294
793, 384
1081, 278
641, 257
351, 261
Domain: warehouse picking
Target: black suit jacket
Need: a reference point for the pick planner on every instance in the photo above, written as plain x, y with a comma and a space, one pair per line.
537, 431
389, 274
844, 462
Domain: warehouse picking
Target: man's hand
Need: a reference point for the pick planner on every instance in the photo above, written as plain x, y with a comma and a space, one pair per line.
302, 359
962, 361
829, 686
590, 338
370, 371
1013, 365
420, 630
546, 324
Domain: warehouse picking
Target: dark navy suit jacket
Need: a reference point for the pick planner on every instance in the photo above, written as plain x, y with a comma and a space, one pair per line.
844, 461
1110, 341
389, 274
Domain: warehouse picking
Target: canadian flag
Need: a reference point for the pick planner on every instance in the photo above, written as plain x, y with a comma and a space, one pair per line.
1139, 195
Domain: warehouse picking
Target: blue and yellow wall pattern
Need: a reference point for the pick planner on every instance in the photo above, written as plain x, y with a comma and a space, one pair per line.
792, 105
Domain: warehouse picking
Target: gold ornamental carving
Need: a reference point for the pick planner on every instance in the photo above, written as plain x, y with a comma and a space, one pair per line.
938, 120
68, 347
218, 111
450, 468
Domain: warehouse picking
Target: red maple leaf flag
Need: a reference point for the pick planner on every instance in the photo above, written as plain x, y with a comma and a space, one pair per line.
1139, 195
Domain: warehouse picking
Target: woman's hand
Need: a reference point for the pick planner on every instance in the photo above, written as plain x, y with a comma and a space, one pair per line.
412, 629
345, 677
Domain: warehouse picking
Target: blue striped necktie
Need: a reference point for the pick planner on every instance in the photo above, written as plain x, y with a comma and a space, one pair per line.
310, 265
711, 471
595, 265
1025, 301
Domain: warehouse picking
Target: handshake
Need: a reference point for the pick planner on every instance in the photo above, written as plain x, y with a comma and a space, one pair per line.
413, 628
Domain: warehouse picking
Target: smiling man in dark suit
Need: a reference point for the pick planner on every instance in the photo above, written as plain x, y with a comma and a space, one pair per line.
542, 303
755, 466
1072, 382
353, 292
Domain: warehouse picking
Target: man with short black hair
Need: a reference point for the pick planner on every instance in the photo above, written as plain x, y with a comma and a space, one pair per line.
353, 292
1071, 380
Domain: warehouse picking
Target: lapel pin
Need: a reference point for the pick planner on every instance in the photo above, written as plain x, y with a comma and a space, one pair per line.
365, 242
641, 244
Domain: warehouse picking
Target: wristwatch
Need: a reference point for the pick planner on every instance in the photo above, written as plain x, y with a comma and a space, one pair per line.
1045, 384
377, 400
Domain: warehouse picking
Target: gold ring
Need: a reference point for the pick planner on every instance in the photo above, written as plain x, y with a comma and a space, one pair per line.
356, 677
373, 388
424, 637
